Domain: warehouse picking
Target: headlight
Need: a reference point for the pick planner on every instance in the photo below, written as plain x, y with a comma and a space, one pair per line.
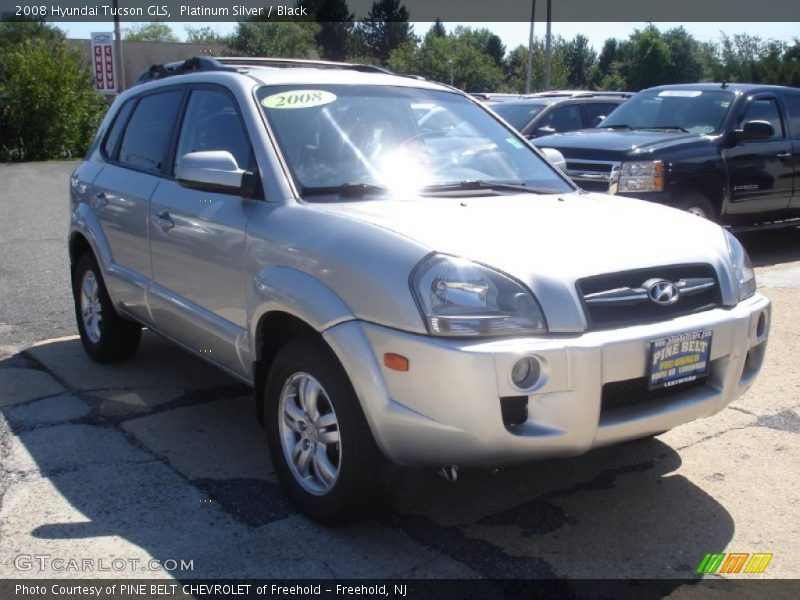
641, 176
460, 298
742, 267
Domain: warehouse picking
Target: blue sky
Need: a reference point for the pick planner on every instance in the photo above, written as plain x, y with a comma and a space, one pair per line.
514, 34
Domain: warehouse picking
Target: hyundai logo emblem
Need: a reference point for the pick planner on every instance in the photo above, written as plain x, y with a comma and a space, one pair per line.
662, 291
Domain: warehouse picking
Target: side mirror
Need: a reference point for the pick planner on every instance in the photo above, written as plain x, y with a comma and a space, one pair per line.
755, 130
555, 157
214, 171
540, 131
597, 120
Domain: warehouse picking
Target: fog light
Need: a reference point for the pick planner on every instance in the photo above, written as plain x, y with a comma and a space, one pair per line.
525, 372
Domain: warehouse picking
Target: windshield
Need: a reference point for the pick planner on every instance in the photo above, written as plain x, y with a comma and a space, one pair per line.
518, 115
695, 111
389, 140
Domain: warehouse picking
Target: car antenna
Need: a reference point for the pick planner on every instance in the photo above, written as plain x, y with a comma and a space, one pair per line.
724, 84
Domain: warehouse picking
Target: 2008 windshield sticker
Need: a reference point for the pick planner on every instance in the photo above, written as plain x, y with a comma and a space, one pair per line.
298, 99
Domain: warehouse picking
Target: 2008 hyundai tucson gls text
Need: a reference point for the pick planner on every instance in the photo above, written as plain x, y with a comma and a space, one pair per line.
400, 276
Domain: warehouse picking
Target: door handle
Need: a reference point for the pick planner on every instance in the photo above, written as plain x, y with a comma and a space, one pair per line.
784, 155
100, 199
162, 220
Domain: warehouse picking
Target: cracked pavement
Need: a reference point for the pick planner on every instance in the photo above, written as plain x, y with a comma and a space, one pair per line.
161, 458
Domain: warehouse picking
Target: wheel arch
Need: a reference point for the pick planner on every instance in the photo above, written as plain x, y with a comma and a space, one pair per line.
78, 246
290, 303
274, 330
710, 186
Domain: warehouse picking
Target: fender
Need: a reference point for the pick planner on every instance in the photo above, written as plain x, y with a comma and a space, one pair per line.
84, 222
297, 293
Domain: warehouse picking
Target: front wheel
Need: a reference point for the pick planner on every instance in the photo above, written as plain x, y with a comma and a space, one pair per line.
321, 446
697, 204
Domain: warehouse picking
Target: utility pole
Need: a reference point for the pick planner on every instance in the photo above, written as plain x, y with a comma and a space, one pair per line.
548, 48
530, 49
118, 48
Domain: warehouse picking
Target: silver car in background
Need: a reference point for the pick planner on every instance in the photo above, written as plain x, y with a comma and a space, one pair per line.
400, 276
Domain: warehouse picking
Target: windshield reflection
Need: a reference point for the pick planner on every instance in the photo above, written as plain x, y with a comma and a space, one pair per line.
395, 141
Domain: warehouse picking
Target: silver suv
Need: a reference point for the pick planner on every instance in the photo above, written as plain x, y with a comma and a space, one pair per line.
400, 276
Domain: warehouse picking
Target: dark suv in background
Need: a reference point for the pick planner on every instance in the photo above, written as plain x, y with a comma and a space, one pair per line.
558, 112
727, 152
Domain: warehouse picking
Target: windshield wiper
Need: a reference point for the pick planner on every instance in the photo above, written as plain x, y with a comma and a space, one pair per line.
668, 128
617, 126
481, 184
349, 190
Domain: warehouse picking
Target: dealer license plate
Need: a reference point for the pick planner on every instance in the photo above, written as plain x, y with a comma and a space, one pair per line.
679, 358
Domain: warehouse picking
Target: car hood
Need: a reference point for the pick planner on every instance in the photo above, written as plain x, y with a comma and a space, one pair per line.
539, 238
602, 144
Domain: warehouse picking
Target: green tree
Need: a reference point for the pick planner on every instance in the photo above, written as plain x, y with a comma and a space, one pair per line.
517, 65
791, 65
579, 57
601, 71
336, 26
452, 59
15, 32
686, 57
645, 59
202, 35
385, 28
150, 32
48, 105
483, 40
287, 39
438, 29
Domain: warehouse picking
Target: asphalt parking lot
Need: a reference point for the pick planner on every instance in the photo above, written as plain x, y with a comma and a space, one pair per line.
160, 458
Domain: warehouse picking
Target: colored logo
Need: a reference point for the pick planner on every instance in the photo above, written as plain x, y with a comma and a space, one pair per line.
734, 562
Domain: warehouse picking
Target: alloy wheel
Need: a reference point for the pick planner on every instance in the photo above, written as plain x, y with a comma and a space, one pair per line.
309, 432
91, 308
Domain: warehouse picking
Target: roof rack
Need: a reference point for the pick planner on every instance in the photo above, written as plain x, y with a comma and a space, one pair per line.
196, 63
577, 94
256, 61
236, 63
601, 94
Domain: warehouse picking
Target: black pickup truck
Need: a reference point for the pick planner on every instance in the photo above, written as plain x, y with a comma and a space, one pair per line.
727, 152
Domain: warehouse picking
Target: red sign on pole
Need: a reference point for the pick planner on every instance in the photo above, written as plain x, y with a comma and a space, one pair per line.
105, 65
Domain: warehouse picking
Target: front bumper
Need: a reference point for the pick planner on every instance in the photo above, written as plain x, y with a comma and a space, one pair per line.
446, 410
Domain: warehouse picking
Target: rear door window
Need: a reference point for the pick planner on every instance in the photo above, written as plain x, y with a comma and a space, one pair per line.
563, 118
592, 110
144, 144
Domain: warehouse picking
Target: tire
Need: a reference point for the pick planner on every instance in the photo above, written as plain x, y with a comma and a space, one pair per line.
697, 204
338, 473
105, 335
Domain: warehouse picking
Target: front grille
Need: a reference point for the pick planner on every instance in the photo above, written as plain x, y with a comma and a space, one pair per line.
596, 167
599, 187
604, 316
635, 392
592, 176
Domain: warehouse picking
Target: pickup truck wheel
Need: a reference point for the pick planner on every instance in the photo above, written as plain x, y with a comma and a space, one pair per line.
105, 335
697, 204
321, 446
